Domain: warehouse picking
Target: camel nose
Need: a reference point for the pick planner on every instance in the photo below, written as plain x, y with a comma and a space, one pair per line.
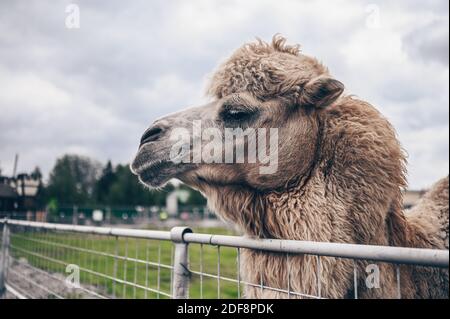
153, 133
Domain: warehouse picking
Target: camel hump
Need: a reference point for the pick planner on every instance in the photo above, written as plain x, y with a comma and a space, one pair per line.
432, 211
439, 193
439, 196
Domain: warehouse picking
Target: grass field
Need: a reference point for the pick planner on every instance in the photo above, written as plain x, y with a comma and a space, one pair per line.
52, 252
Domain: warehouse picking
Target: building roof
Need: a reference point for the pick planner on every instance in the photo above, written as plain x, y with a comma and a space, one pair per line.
7, 191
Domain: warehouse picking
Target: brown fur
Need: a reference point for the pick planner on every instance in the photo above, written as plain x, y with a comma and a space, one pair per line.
352, 194
340, 178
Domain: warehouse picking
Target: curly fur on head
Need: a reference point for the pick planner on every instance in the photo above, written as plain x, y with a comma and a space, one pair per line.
265, 70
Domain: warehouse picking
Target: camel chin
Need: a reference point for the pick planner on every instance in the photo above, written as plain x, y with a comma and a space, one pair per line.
156, 174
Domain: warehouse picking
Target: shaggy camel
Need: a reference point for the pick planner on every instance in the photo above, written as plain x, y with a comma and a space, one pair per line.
341, 172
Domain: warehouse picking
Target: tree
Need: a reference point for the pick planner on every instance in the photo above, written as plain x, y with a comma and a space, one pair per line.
72, 180
78, 180
104, 183
36, 174
126, 190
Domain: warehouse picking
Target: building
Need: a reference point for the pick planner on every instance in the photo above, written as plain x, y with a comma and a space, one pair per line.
27, 188
19, 193
8, 196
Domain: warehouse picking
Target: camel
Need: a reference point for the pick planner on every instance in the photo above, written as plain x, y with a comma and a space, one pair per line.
341, 173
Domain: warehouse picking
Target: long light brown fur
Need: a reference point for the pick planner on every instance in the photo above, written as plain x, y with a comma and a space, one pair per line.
340, 177
351, 193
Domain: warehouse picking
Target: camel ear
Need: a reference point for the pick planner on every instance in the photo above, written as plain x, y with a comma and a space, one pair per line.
321, 92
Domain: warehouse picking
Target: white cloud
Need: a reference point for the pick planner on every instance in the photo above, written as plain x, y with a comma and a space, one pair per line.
428, 162
429, 43
169, 92
95, 89
28, 91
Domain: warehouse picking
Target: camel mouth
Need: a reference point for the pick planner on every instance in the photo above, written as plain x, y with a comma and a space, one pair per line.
156, 173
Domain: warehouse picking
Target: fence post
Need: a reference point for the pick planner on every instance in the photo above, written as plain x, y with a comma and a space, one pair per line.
4, 255
181, 273
75, 215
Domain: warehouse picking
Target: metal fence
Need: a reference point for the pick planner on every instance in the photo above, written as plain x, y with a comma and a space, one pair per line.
114, 215
43, 260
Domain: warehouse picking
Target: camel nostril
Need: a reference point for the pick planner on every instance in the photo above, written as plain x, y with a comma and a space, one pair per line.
152, 134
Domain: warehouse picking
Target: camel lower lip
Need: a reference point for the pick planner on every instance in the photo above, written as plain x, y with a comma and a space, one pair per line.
155, 174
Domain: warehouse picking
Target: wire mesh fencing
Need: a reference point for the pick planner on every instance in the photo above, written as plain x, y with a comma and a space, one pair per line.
42, 260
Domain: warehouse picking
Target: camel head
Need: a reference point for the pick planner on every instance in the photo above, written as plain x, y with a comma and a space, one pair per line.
260, 130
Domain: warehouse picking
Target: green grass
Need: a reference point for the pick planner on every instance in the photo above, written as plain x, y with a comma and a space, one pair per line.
57, 247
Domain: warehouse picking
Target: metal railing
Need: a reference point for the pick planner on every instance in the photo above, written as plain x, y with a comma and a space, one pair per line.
38, 259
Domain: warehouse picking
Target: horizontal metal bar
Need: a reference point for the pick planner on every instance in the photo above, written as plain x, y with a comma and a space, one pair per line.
106, 231
15, 292
396, 255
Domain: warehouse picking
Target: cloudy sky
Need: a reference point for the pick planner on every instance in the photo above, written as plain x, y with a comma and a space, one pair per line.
93, 90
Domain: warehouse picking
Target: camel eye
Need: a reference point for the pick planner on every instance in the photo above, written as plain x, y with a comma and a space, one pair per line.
237, 115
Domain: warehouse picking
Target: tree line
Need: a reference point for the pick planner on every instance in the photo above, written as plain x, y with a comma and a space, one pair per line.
80, 180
